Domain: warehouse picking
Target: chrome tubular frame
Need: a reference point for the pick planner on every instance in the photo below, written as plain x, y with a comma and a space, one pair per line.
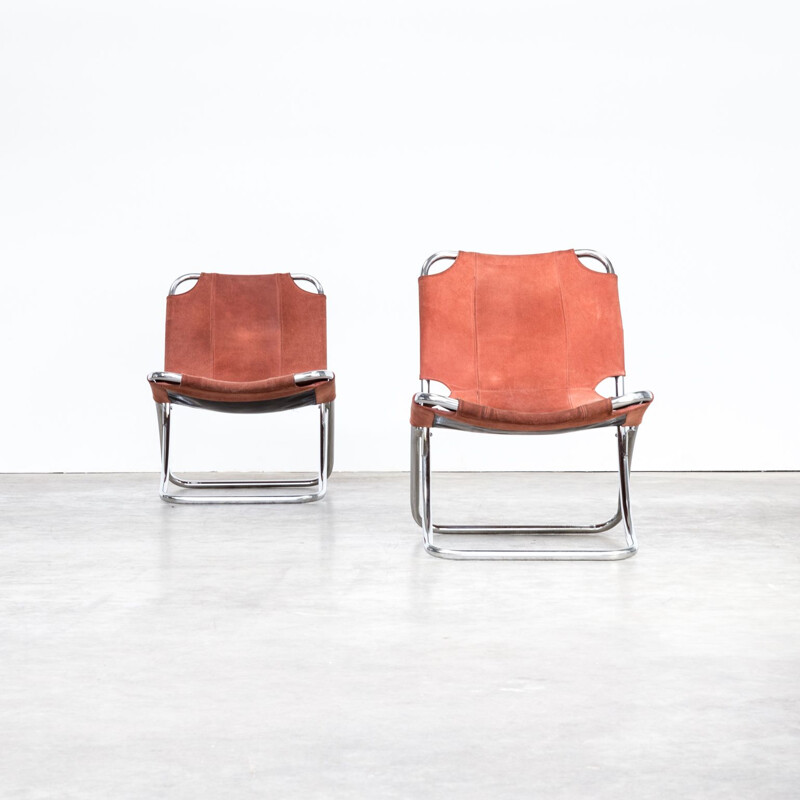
295, 276
302, 276
421, 478
453, 254
190, 276
597, 257
426, 267
421, 511
318, 486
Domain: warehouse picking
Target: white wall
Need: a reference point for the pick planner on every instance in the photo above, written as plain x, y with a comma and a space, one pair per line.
144, 140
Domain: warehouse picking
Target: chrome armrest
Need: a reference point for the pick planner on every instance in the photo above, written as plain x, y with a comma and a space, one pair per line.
165, 377
430, 400
630, 399
313, 376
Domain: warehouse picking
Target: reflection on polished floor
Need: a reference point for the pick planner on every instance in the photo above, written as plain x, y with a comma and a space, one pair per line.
159, 651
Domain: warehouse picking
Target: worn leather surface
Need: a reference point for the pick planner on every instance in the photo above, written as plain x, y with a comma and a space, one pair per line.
243, 337
521, 341
585, 416
242, 391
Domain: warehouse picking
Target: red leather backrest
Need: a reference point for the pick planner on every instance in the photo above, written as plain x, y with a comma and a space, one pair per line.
533, 331
245, 328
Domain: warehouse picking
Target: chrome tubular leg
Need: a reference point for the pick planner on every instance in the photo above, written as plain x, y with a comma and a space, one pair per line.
319, 484
163, 415
632, 431
417, 435
626, 438
425, 480
462, 530
324, 445
414, 473
331, 418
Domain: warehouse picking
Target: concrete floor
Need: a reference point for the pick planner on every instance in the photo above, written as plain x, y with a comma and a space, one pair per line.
155, 651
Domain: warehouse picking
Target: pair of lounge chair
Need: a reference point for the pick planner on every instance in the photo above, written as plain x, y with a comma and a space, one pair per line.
521, 342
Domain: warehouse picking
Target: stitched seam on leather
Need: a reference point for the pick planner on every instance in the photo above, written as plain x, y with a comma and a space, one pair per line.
280, 326
475, 326
212, 319
566, 338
